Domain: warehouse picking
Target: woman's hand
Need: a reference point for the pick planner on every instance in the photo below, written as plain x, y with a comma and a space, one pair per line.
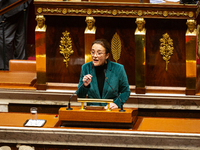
112, 106
87, 77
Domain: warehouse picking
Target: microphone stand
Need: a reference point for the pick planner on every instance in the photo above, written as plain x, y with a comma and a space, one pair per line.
69, 105
121, 110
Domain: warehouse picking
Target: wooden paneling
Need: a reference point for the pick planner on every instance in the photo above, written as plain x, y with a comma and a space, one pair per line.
125, 28
156, 75
118, 17
56, 68
106, 28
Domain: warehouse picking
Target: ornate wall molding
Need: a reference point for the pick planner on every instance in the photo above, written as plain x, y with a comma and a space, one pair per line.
117, 12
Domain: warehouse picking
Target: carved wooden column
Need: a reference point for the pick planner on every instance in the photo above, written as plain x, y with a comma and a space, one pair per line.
40, 48
191, 72
89, 37
140, 56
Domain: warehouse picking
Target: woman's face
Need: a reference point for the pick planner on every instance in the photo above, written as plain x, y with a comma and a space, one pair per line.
98, 53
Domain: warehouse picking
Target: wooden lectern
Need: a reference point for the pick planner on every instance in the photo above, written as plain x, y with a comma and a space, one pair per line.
97, 118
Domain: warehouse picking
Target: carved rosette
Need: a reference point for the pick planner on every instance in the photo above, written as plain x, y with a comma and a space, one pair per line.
66, 47
166, 48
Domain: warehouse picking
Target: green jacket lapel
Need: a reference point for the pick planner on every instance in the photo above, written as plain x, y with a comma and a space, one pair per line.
95, 84
108, 75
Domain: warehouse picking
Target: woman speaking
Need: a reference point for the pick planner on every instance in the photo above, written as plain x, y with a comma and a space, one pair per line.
94, 74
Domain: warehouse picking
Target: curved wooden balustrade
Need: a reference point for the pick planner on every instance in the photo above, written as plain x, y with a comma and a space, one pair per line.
17, 3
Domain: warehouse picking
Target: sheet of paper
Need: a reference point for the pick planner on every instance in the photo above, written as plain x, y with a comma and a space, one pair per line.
34, 123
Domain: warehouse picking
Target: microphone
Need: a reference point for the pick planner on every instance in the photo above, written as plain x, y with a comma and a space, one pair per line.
69, 105
121, 110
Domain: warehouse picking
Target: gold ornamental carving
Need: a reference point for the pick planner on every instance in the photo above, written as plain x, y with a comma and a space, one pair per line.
102, 12
198, 41
116, 47
191, 30
140, 30
165, 13
66, 47
140, 13
89, 11
191, 14
166, 48
116, 12
64, 11
41, 26
39, 10
91, 28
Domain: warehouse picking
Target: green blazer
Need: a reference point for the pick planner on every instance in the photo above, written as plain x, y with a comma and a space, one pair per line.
116, 77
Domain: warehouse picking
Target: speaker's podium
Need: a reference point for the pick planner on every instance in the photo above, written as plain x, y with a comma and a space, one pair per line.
97, 116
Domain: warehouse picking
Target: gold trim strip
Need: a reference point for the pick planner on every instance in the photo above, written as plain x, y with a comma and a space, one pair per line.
41, 63
191, 68
115, 12
94, 100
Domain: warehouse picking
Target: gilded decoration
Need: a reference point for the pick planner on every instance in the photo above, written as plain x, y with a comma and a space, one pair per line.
66, 47
140, 13
40, 23
90, 29
191, 30
191, 14
116, 12
140, 30
97, 11
198, 41
166, 48
64, 11
116, 47
89, 11
39, 10
165, 13
56, 10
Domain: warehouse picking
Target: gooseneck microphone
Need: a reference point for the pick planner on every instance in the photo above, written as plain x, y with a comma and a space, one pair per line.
121, 110
69, 105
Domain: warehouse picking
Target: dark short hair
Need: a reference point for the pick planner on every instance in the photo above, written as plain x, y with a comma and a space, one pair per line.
104, 43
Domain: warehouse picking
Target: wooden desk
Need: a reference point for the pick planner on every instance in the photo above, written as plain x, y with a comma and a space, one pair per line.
174, 125
18, 119
155, 133
97, 118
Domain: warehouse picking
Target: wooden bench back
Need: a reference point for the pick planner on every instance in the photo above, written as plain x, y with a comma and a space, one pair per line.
22, 65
